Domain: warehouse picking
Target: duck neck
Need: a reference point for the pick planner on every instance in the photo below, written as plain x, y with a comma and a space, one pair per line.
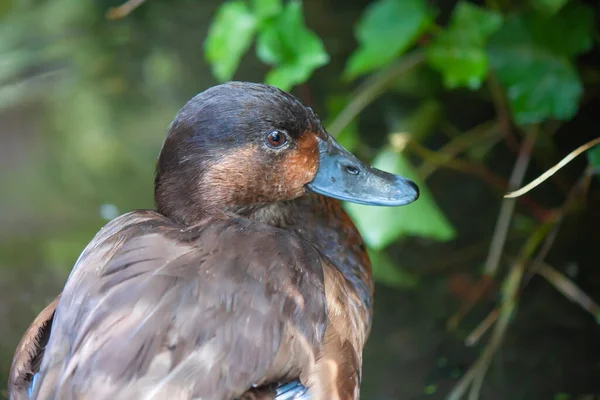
317, 219
323, 222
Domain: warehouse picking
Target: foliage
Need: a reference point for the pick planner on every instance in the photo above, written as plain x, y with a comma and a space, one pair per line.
402, 20
459, 51
230, 37
283, 41
533, 59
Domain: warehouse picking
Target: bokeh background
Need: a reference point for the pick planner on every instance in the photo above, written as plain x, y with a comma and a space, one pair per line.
475, 294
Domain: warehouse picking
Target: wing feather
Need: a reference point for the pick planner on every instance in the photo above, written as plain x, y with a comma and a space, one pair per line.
153, 310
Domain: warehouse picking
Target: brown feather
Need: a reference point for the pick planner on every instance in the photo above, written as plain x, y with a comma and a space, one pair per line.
156, 311
123, 249
27, 358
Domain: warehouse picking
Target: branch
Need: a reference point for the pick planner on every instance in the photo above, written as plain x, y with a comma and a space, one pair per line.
570, 157
569, 289
482, 328
501, 228
372, 88
580, 189
508, 206
438, 159
503, 112
486, 131
124, 9
474, 376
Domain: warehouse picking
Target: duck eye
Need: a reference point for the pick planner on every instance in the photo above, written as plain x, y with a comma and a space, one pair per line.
276, 139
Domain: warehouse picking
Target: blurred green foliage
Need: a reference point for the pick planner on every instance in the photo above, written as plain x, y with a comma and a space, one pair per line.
529, 52
403, 20
283, 41
533, 57
230, 37
458, 52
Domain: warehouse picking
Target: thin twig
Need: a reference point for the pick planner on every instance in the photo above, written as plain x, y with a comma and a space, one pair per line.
497, 337
515, 283
546, 246
474, 376
469, 379
572, 155
569, 289
548, 233
508, 206
124, 9
482, 328
510, 296
478, 170
578, 190
485, 131
501, 228
472, 298
457, 257
372, 88
463, 384
543, 159
503, 112
434, 157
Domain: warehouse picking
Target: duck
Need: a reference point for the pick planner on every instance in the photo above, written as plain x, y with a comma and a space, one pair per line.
248, 280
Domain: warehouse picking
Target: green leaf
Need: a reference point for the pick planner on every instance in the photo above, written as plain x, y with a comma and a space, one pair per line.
380, 226
387, 272
384, 32
459, 51
576, 19
229, 37
532, 58
265, 9
548, 6
294, 50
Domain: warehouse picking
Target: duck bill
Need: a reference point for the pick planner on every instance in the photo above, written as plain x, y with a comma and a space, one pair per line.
342, 176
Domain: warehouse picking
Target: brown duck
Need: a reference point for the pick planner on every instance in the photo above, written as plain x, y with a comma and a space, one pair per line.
248, 281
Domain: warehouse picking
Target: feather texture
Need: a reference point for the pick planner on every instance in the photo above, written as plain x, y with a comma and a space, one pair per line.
153, 311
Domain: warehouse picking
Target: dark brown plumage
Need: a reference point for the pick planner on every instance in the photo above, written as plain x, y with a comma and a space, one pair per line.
241, 281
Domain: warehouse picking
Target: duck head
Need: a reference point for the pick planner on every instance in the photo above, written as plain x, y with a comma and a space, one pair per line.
239, 146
